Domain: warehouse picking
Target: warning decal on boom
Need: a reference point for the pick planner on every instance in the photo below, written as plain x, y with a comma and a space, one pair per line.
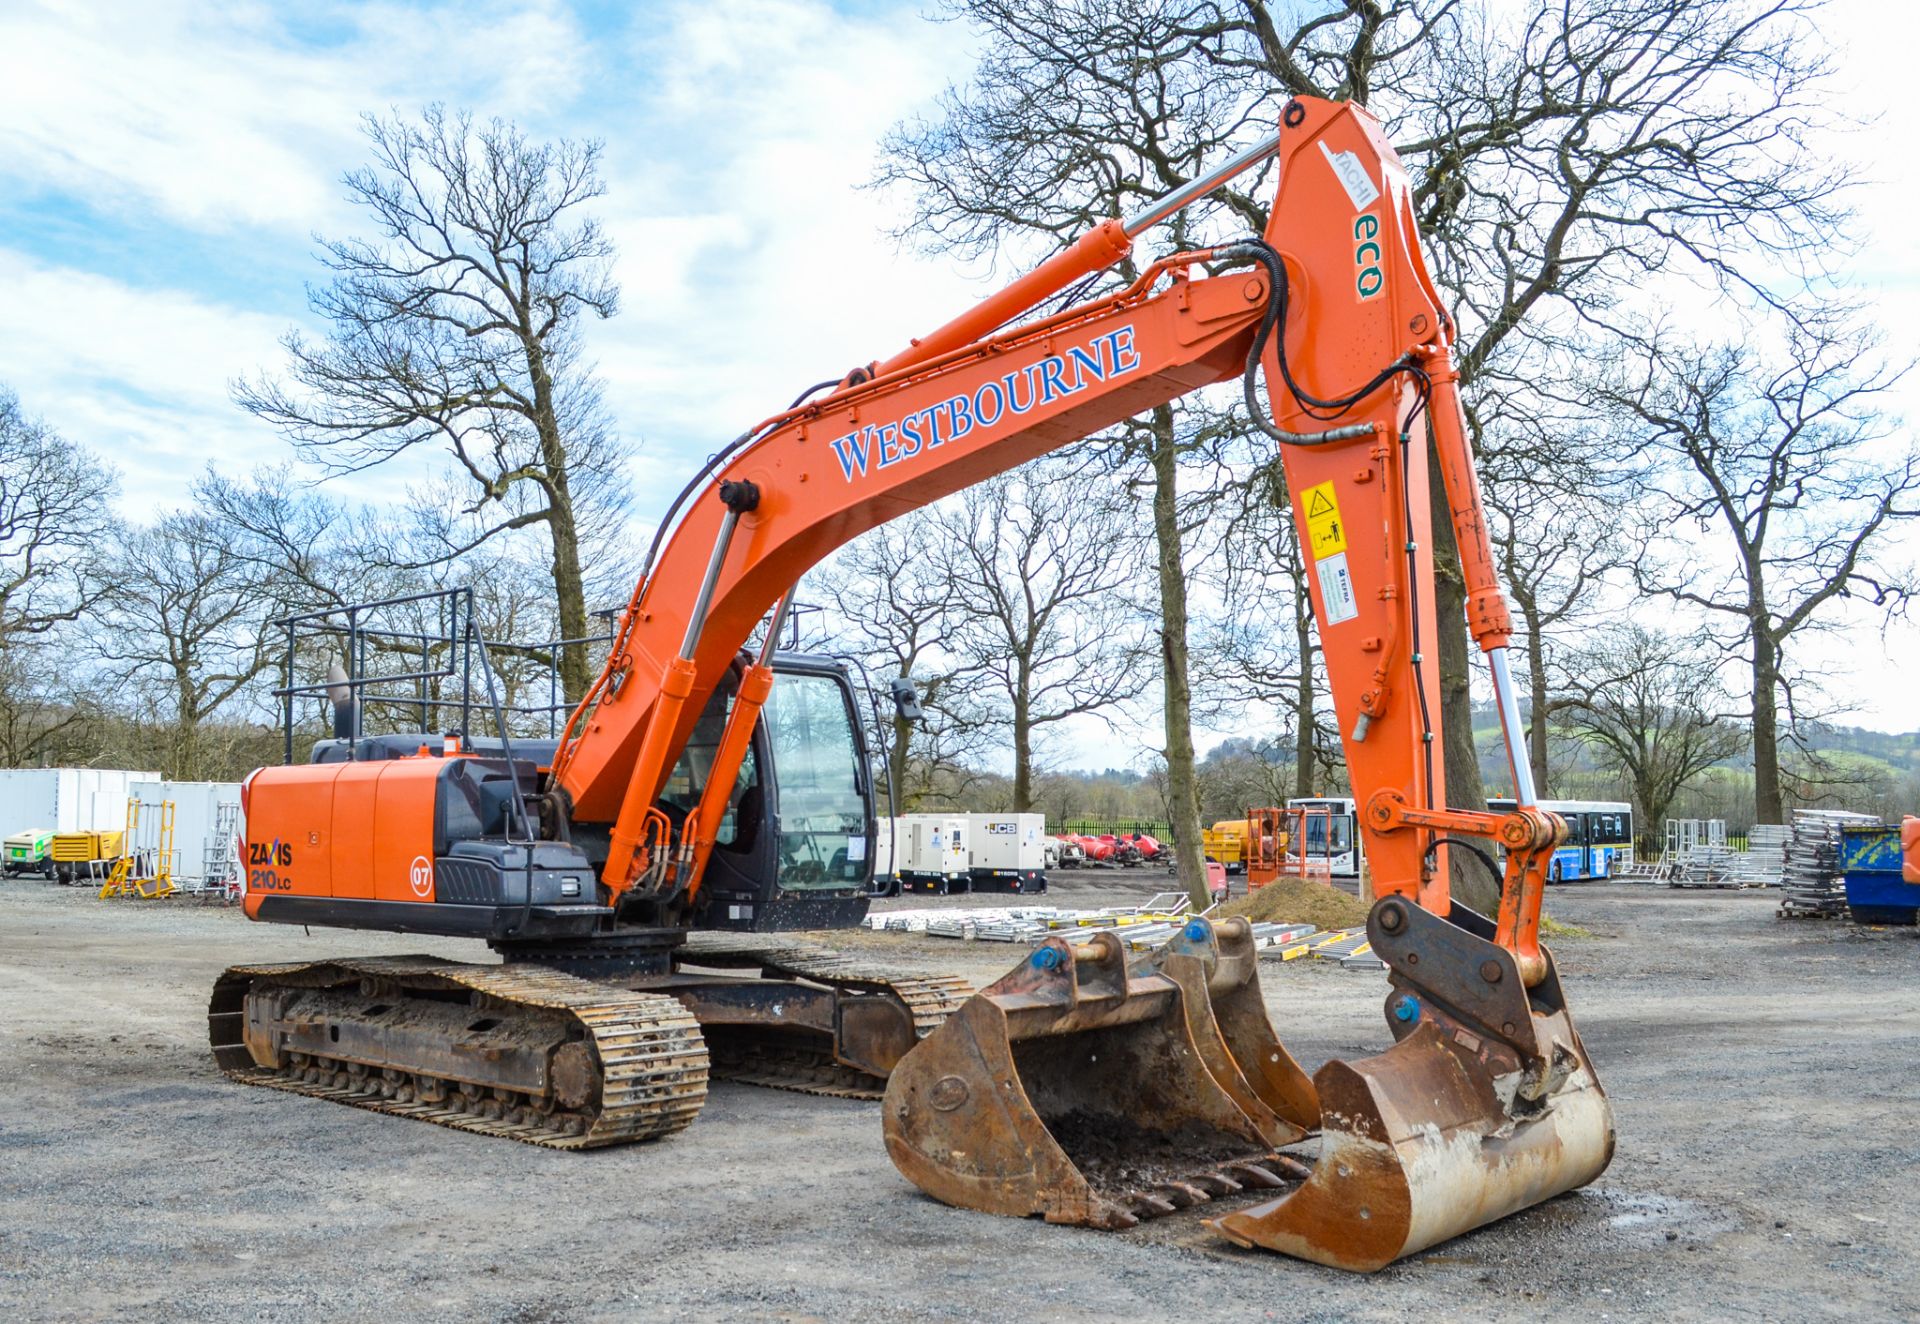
1326, 531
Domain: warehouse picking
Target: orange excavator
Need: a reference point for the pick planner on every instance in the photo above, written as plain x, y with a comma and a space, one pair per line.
614, 869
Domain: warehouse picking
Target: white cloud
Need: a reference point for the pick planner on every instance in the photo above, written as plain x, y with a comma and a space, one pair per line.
753, 260
215, 117
138, 375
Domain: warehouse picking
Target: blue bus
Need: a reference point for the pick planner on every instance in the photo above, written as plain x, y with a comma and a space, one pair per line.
1599, 838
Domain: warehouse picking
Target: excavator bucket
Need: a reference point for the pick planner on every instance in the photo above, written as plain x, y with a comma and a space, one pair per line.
1081, 1092
1217, 968
1486, 1105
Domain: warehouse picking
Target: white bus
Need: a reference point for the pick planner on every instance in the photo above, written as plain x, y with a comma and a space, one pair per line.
1333, 837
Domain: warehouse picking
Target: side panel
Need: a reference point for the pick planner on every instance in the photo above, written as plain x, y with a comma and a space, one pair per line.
356, 786
401, 867
349, 830
288, 831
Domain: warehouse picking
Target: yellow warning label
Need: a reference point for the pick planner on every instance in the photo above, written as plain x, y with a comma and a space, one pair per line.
1326, 531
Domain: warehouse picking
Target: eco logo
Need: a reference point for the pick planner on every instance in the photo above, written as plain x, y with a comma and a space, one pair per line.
1368, 279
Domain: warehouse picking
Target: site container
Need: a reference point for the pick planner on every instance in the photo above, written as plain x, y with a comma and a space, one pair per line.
206, 819
1008, 852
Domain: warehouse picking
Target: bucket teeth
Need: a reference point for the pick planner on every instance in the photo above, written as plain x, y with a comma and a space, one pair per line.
1181, 1195
1260, 1177
1150, 1206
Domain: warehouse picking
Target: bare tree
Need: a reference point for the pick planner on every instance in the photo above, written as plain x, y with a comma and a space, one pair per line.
1565, 152
1078, 112
1652, 704
55, 514
890, 606
1556, 538
1043, 581
1782, 461
311, 553
185, 624
458, 328
55, 517
48, 714
1560, 154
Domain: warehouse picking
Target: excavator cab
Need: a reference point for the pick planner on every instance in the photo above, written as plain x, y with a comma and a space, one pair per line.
793, 850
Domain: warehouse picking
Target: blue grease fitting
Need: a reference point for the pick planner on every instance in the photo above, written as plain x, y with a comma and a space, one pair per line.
1406, 1010
1046, 958
1197, 931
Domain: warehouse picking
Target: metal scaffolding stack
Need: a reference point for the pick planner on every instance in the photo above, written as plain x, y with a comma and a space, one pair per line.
1763, 863
1698, 855
1812, 874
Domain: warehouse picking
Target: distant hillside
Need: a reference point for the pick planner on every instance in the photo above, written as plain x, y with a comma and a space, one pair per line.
1875, 771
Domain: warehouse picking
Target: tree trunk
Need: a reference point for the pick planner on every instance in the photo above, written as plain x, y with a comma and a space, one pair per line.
569, 591
1183, 798
1022, 756
569, 587
1536, 697
897, 753
1768, 803
182, 761
1471, 887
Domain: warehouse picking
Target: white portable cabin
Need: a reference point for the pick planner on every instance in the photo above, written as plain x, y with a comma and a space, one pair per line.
206, 818
931, 853
66, 799
1008, 852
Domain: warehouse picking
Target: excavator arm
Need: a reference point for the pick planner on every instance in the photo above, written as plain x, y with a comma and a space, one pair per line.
1486, 1103
1334, 307
815, 478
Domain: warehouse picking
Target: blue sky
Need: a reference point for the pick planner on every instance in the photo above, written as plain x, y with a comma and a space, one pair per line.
163, 167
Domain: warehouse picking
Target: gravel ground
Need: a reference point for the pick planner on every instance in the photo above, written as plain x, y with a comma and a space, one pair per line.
1763, 1074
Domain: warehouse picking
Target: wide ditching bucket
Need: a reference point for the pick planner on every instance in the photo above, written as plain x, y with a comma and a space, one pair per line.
1081, 1092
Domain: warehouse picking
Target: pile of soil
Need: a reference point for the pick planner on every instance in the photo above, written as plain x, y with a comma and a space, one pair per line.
1299, 901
